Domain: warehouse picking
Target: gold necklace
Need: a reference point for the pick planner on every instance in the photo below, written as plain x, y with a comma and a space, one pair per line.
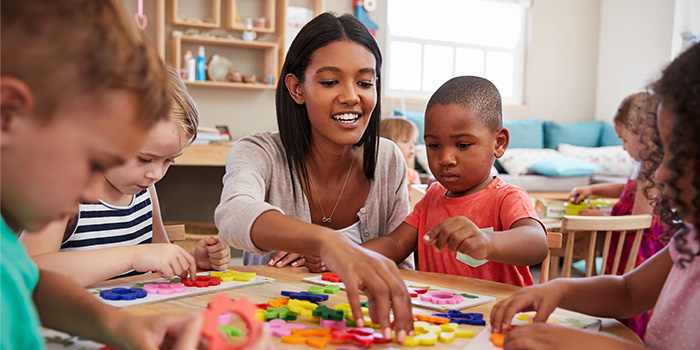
328, 219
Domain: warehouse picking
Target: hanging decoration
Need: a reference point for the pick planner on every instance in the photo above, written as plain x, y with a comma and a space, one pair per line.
362, 9
141, 19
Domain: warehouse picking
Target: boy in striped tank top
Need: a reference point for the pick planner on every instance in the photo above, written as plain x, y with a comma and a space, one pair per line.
123, 233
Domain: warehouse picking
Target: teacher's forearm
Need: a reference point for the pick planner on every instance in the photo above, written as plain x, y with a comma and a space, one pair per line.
273, 230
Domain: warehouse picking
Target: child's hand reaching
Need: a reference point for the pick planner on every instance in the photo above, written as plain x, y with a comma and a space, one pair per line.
459, 234
171, 331
211, 254
578, 194
167, 259
542, 336
164, 331
543, 299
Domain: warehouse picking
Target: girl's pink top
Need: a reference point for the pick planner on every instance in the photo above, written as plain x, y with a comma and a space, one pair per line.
677, 312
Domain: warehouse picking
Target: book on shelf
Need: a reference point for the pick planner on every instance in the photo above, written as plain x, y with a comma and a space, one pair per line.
207, 135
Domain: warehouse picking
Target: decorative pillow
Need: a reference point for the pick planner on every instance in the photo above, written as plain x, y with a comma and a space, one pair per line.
608, 136
416, 118
525, 133
517, 161
584, 134
612, 160
564, 166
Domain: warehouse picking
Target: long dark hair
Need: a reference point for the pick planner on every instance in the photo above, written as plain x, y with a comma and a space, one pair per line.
293, 119
679, 89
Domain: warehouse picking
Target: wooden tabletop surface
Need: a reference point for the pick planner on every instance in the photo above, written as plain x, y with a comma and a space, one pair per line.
291, 279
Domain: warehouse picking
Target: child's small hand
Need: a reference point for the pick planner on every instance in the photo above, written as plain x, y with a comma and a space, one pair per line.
578, 194
264, 340
542, 298
459, 234
163, 331
167, 259
314, 264
543, 336
211, 254
282, 259
190, 336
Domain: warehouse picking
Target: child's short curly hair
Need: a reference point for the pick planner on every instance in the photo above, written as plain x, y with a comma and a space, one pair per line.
475, 93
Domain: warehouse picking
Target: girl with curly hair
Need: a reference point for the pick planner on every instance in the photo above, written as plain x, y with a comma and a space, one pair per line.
668, 281
635, 123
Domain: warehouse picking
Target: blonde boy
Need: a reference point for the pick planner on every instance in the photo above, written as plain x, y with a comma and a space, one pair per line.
490, 228
404, 134
79, 89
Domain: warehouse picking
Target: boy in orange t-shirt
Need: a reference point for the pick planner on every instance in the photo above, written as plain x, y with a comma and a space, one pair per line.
490, 228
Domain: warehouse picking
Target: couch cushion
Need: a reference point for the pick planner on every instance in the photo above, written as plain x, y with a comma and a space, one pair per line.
416, 118
541, 183
612, 160
563, 166
517, 161
525, 133
584, 134
608, 136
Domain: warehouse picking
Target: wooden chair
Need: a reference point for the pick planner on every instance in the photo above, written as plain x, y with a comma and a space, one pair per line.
553, 241
175, 233
592, 226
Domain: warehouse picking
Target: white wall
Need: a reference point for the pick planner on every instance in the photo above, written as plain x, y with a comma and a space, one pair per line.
686, 20
634, 45
561, 63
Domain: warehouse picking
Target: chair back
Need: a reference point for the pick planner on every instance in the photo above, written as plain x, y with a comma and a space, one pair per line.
175, 232
590, 227
553, 241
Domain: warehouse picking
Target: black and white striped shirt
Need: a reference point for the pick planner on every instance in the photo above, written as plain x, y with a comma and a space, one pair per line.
102, 225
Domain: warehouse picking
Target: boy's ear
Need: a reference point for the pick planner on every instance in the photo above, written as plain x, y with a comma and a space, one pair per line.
294, 88
16, 98
501, 140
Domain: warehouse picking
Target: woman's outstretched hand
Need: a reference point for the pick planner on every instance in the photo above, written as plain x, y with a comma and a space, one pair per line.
375, 275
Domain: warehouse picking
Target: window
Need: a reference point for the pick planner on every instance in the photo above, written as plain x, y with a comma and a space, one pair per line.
430, 42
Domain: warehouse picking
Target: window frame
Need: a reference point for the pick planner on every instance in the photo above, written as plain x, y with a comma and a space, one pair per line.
519, 52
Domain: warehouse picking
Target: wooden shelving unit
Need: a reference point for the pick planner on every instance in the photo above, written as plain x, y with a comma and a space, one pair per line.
318, 8
215, 15
271, 54
269, 15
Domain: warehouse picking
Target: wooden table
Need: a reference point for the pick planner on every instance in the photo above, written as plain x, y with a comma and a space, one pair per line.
291, 279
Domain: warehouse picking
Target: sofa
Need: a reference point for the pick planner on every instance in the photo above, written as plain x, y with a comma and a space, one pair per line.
547, 156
